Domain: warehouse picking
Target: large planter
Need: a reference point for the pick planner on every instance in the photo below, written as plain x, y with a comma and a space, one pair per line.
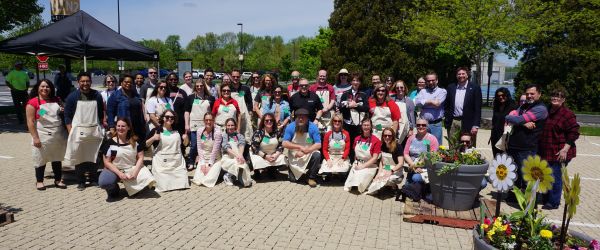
480, 244
459, 189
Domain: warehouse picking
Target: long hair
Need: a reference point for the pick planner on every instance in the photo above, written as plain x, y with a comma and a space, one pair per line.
386, 98
263, 85
161, 121
36, 88
204, 87
337, 115
509, 100
393, 144
131, 136
366, 119
155, 90
261, 125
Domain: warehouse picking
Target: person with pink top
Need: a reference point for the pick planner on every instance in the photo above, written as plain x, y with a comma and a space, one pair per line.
415, 145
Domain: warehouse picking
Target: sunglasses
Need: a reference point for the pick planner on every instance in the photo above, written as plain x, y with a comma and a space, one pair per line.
268, 120
151, 73
169, 117
226, 91
387, 135
337, 121
277, 92
381, 91
421, 125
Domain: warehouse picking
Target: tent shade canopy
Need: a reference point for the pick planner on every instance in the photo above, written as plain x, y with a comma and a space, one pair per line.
77, 36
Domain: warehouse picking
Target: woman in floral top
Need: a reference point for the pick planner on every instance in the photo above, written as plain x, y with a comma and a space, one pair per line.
266, 149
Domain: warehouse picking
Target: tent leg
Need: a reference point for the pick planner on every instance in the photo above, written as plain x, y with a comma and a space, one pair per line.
158, 69
84, 63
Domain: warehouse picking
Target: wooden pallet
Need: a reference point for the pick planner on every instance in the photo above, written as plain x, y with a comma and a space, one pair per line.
6, 217
423, 212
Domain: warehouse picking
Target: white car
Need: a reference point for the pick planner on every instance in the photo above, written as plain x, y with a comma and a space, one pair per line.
197, 74
246, 75
218, 75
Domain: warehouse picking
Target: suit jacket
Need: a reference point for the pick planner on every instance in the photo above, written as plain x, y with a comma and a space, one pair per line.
471, 107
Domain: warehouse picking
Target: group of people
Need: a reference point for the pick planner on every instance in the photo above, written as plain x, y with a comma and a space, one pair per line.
241, 132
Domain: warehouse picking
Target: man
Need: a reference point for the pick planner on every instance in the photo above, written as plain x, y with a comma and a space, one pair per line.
63, 82
303, 142
178, 97
255, 84
527, 124
139, 82
463, 106
148, 87
431, 100
375, 80
209, 76
188, 85
84, 115
17, 81
307, 100
354, 106
294, 88
242, 94
326, 95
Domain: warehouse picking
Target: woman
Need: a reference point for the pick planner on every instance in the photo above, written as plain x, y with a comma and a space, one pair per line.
48, 134
265, 149
111, 86
264, 95
336, 148
168, 165
126, 103
209, 153
389, 84
233, 161
139, 81
225, 107
384, 112
124, 160
341, 85
197, 104
503, 104
557, 143
354, 108
407, 109
158, 103
226, 80
256, 84
415, 145
420, 85
279, 107
390, 167
367, 149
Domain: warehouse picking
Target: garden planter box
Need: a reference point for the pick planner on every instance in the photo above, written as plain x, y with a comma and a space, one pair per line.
480, 244
459, 189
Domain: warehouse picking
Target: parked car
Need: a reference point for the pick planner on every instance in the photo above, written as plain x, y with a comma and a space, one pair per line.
98, 72
163, 72
218, 75
197, 74
246, 75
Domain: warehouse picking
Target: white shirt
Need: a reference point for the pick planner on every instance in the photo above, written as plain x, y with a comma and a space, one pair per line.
459, 99
154, 101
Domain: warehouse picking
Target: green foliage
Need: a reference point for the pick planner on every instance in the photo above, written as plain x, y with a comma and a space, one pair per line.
452, 154
7, 60
17, 13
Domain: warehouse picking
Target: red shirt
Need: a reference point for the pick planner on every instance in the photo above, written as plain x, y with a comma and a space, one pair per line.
390, 104
560, 128
220, 101
35, 103
317, 87
373, 141
326, 139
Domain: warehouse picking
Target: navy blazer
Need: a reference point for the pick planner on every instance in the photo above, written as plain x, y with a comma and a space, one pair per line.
471, 107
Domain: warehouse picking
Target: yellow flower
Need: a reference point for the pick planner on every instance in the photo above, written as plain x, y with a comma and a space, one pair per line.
546, 234
484, 226
537, 169
490, 234
442, 147
513, 236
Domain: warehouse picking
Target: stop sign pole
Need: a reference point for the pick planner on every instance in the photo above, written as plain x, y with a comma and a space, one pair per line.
42, 65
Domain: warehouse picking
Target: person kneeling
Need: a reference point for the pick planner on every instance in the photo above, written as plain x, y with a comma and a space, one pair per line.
209, 153
266, 150
233, 161
390, 167
302, 142
336, 148
367, 149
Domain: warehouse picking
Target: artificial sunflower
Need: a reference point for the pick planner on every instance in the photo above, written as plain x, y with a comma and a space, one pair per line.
502, 172
537, 169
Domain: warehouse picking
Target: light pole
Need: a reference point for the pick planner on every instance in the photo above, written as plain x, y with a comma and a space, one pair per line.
241, 56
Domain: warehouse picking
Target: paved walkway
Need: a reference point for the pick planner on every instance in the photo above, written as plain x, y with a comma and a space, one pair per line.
275, 214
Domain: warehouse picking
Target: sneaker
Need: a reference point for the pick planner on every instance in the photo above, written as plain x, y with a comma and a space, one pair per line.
312, 183
549, 206
227, 179
81, 186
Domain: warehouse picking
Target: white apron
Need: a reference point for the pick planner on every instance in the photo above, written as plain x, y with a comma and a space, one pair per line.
268, 146
168, 165
205, 147
161, 107
52, 134
355, 116
225, 112
125, 160
404, 123
395, 178
361, 178
85, 136
230, 165
382, 118
298, 164
246, 120
326, 117
199, 109
336, 151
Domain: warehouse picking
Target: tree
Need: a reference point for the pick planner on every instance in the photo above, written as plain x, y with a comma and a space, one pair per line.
17, 13
310, 59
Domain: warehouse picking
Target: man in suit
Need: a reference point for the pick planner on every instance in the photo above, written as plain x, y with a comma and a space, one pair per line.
463, 106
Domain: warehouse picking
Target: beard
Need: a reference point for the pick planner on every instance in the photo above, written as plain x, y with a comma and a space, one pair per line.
301, 128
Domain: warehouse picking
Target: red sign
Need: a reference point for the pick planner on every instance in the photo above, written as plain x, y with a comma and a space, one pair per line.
42, 59
43, 66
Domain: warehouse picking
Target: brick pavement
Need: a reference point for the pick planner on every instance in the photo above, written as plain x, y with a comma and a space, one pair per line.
272, 214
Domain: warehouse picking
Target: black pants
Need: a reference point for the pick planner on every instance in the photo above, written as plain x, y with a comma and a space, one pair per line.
354, 131
84, 167
56, 169
19, 98
314, 164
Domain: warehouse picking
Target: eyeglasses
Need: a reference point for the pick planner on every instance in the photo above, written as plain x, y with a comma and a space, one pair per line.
387, 135
162, 87
109, 81
337, 121
268, 120
226, 91
304, 86
381, 91
169, 117
255, 77
151, 73
401, 87
421, 125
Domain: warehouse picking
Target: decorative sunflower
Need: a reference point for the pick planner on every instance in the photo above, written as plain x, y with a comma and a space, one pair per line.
502, 173
537, 169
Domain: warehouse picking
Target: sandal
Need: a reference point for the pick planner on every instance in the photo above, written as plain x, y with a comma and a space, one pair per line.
40, 188
60, 184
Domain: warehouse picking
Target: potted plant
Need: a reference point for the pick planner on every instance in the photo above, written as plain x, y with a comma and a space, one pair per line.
455, 175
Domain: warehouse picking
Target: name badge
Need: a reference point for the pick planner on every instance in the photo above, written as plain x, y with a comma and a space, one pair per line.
196, 101
242, 93
42, 112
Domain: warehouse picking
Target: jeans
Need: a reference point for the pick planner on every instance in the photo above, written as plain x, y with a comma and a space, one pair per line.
414, 177
108, 181
436, 130
519, 156
56, 169
19, 98
314, 164
553, 196
193, 148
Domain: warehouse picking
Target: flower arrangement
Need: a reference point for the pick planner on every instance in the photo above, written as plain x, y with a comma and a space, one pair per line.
454, 153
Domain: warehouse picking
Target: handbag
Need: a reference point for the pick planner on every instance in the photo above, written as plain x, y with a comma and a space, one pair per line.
502, 143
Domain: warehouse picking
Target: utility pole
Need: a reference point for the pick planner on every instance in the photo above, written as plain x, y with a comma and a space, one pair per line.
241, 56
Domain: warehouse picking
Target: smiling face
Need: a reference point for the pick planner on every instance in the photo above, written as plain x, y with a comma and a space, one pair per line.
355, 83
122, 129
336, 123
380, 93
226, 92
187, 78
230, 127
235, 77
152, 74
209, 122
139, 80
226, 79
173, 80
501, 97
255, 79
462, 76
556, 99
421, 126
169, 119
162, 89
431, 81
199, 87
322, 76
303, 86
387, 136
44, 90
126, 84
277, 92
269, 121
366, 128
85, 84
375, 79
209, 76
532, 94
301, 120
268, 83
110, 83
421, 83
400, 89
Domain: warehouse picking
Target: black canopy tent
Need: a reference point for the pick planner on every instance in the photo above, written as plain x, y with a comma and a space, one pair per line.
79, 36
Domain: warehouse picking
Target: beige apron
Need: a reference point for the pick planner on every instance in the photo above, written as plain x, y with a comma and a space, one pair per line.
148, 93
168, 165
326, 117
336, 151
199, 108
230, 165
85, 136
395, 178
52, 134
355, 116
205, 147
125, 160
246, 121
403, 124
298, 164
382, 118
361, 178
267, 146
161, 107
225, 112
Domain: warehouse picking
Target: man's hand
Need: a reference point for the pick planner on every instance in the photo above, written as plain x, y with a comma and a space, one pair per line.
299, 154
37, 143
529, 125
474, 131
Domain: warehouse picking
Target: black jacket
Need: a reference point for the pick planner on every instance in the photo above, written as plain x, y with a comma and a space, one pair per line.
471, 107
360, 97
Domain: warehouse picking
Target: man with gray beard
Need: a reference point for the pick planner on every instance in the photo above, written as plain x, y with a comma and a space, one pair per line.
302, 143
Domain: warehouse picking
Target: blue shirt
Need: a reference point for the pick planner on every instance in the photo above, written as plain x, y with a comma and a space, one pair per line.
313, 132
428, 111
284, 109
118, 106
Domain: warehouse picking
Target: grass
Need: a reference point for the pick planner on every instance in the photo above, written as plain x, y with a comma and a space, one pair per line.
590, 131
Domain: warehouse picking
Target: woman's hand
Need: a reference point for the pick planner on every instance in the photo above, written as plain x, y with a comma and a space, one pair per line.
240, 160
37, 143
123, 176
359, 166
205, 168
418, 170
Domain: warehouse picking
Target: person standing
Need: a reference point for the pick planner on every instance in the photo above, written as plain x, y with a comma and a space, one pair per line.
49, 138
209, 76
242, 94
264, 95
354, 107
431, 100
307, 100
463, 106
557, 143
303, 142
110, 82
225, 107
63, 81
17, 81
420, 85
197, 104
187, 85
138, 80
384, 112
326, 94
150, 83
503, 104
341, 85
406, 124
255, 86
84, 116
126, 103
294, 87
157, 104
279, 107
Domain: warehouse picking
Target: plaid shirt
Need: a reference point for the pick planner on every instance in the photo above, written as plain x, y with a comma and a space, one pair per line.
561, 128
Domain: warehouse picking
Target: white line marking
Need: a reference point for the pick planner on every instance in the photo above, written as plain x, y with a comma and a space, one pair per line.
6, 157
595, 144
588, 155
484, 149
579, 224
586, 178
